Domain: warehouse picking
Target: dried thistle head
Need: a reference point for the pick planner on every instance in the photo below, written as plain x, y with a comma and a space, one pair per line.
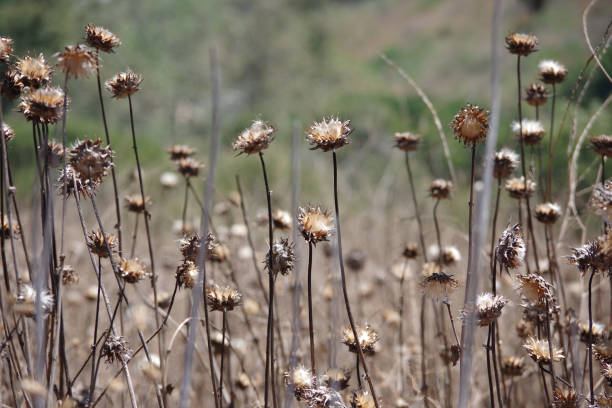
589, 257
367, 339
362, 399
440, 188
539, 352
134, 203
6, 49
565, 398
69, 275
301, 378
190, 246
449, 256
471, 125
98, 245
519, 189
329, 134
411, 250
535, 288
336, 378
529, 131
601, 199
521, 44
25, 302
504, 163
315, 224
282, 220
489, 308
547, 213
77, 61
603, 401
552, 72
71, 180
437, 283
510, 250
215, 250
11, 85
178, 152
189, 167
255, 138
133, 270
115, 348
536, 95
407, 141
55, 153
281, 257
33, 71
355, 260
523, 329
598, 332
450, 354
124, 84
186, 274
602, 145
91, 161
602, 351
222, 298
43, 105
513, 366
100, 38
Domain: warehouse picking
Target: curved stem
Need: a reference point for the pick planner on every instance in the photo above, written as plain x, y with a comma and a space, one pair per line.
437, 226
310, 320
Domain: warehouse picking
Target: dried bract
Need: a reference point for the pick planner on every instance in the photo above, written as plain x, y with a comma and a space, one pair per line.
519, 189
6, 49
77, 61
178, 152
547, 213
510, 250
367, 336
43, 105
255, 138
135, 204
513, 366
329, 134
33, 71
281, 257
471, 125
98, 245
315, 224
124, 84
489, 308
536, 95
602, 145
222, 298
186, 274
115, 348
529, 131
132, 270
189, 167
538, 350
100, 38
521, 44
552, 72
440, 188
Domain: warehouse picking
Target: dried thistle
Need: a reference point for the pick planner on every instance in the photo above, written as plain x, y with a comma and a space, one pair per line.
98, 245
77, 61
535, 288
282, 220
601, 199
530, 131
43, 105
510, 250
565, 398
55, 153
362, 399
547, 213
552, 72
189, 167
536, 95
450, 255
100, 38
132, 270
222, 298
315, 224
186, 274
6, 49
33, 71
589, 256
538, 350
437, 283
440, 188
135, 204
89, 164
407, 141
513, 366
336, 378
489, 308
329, 134
115, 348
521, 44
255, 138
367, 338
602, 350
602, 145
517, 188
504, 163
471, 125
11, 85
124, 84
281, 257
411, 250
598, 332
25, 302
69, 275
178, 152
450, 354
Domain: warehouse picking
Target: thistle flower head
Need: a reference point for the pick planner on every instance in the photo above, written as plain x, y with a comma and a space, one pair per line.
552, 72
135, 203
411, 250
547, 213
367, 339
471, 125
132, 270
215, 250
601, 199
529, 131
282, 220
407, 141
362, 399
33, 71
98, 245
504, 163
315, 224
189, 167
91, 161
190, 246
11, 85
255, 138
100, 38
521, 44
115, 348
589, 256
535, 288
519, 189
565, 398
71, 180
437, 283
7, 132
309, 389
602, 145
43, 105
25, 302
222, 298
281, 257
178, 152
450, 354
55, 153
301, 378
513, 366
489, 308
186, 274
440, 188
536, 95
124, 84
598, 332
602, 351
77, 61
6, 49
450, 255
69, 275
538, 350
510, 250
329, 134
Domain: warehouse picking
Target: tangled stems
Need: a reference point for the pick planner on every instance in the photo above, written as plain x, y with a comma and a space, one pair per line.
343, 281
310, 322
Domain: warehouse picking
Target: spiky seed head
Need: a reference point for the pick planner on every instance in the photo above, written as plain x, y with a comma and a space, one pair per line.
243, 381
134, 203
6, 49
11, 85
116, 348
521, 44
133, 270
178, 152
70, 179
55, 153
222, 298
98, 245
301, 378
255, 138
216, 251
186, 274
77, 61
124, 84
367, 338
189, 167
449, 256
190, 246
589, 257
33, 71
538, 350
510, 250
565, 398
329, 134
281, 257
489, 308
362, 399
43, 105
101, 38
440, 189
504, 163
535, 288
536, 95
602, 145
513, 366
25, 302
69, 275
411, 250
407, 141
471, 125
529, 131
282, 220
315, 224
601, 199
547, 213
519, 189
450, 354
91, 162
599, 332
552, 72
436, 283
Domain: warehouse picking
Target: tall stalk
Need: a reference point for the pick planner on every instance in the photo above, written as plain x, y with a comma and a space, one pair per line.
310, 320
550, 144
590, 344
416, 207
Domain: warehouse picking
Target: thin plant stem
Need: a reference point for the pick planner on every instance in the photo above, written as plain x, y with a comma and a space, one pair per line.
452, 321
92, 383
494, 358
489, 374
417, 214
185, 200
310, 318
343, 281
224, 328
590, 344
401, 329
424, 387
134, 235
550, 144
437, 226
550, 347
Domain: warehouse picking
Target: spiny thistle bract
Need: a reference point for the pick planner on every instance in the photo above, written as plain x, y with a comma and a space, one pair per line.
510, 250
116, 348
98, 244
589, 257
521, 44
43, 105
135, 203
255, 138
471, 124
519, 189
6, 49
602, 145
601, 199
186, 274
535, 288
132, 270
489, 308
329, 134
281, 257
11, 85
77, 61
538, 350
101, 38
440, 188
437, 283
189, 167
124, 84
513, 366
547, 213
33, 71
315, 224
223, 298
367, 339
